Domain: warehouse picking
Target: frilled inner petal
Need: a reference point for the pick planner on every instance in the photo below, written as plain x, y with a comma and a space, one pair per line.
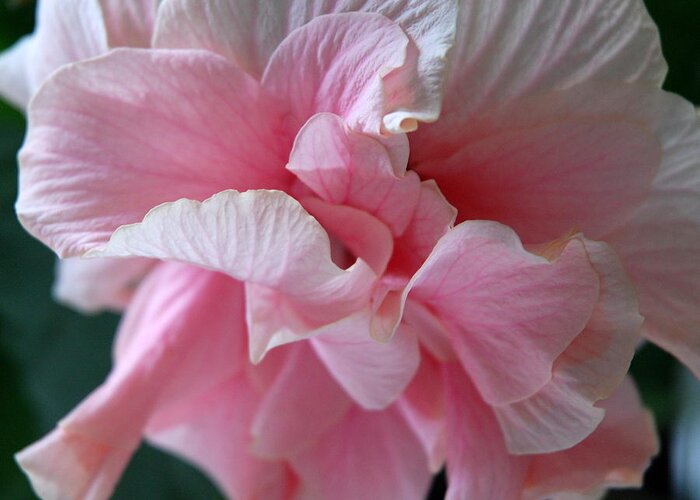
337, 63
137, 128
565, 410
248, 32
509, 313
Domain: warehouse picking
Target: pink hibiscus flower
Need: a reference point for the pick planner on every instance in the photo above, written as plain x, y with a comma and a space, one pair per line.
272, 150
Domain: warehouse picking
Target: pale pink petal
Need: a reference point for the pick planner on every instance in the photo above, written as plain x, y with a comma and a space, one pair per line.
432, 333
129, 23
181, 337
367, 455
661, 244
263, 237
582, 158
478, 463
614, 456
247, 32
302, 403
507, 49
372, 372
66, 31
212, 430
348, 168
14, 79
356, 234
431, 220
67, 465
337, 63
422, 405
94, 285
116, 146
564, 411
510, 313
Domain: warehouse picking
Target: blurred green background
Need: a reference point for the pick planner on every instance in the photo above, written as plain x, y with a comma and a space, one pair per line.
51, 357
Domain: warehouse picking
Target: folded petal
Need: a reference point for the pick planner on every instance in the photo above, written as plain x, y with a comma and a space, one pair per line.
68, 465
263, 237
582, 158
116, 146
14, 78
349, 168
564, 411
181, 336
94, 285
507, 49
614, 456
366, 455
129, 23
478, 463
212, 431
247, 32
510, 313
374, 374
302, 403
336, 63
660, 245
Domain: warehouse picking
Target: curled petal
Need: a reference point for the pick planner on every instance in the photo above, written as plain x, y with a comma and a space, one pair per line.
248, 32
116, 146
509, 313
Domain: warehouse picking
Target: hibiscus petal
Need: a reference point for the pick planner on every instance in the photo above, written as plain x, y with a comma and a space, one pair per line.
117, 146
478, 464
510, 48
374, 374
212, 430
661, 244
563, 412
367, 455
67, 31
289, 419
129, 23
94, 285
163, 355
263, 237
614, 456
337, 63
510, 313
423, 406
14, 78
68, 465
348, 168
582, 158
247, 32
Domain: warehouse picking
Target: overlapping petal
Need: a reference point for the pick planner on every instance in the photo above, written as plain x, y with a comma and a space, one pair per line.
366, 455
510, 313
181, 336
117, 146
129, 23
14, 77
564, 411
248, 32
93, 285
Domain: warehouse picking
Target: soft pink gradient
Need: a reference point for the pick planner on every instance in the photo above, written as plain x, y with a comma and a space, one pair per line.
307, 320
